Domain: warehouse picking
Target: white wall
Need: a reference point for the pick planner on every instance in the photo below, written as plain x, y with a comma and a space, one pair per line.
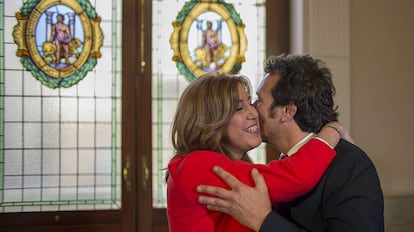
369, 47
382, 60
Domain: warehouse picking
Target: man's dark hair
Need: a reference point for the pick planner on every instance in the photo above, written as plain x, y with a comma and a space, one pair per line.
307, 83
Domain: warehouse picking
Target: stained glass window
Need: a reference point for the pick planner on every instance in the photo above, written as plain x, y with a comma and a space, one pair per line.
60, 149
168, 83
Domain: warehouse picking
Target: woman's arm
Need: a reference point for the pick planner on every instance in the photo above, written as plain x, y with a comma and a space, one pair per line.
339, 132
286, 179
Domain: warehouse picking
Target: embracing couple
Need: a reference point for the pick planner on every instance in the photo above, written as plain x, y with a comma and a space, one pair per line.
321, 182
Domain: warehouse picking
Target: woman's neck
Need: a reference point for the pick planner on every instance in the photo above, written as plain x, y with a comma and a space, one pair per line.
237, 156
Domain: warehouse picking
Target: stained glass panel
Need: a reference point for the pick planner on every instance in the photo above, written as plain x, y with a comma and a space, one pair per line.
168, 83
60, 149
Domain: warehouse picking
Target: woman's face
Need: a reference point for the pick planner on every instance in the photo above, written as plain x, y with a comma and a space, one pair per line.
242, 130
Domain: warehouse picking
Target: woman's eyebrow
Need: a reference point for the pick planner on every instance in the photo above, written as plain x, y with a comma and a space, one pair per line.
249, 99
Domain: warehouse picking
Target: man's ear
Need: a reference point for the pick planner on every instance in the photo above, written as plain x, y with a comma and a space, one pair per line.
290, 110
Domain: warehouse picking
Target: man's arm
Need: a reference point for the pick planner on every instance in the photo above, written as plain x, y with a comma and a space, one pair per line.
274, 222
248, 205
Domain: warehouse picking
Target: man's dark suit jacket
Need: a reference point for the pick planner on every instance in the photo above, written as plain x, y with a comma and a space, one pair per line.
348, 198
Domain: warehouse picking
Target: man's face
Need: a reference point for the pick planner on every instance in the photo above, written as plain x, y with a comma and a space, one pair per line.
269, 120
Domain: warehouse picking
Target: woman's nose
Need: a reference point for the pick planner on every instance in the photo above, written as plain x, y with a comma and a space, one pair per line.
253, 112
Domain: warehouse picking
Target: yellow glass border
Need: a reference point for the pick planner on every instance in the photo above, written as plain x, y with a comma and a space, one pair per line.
24, 34
179, 38
31, 41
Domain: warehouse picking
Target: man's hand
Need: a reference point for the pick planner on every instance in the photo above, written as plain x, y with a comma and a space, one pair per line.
246, 204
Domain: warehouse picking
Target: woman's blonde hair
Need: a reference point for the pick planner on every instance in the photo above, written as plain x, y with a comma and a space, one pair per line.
203, 110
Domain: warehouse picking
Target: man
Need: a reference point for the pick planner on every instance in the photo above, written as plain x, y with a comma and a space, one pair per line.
294, 101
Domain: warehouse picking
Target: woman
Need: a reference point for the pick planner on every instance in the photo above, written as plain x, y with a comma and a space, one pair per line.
216, 124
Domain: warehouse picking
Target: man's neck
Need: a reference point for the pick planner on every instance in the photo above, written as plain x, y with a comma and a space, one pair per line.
299, 144
292, 136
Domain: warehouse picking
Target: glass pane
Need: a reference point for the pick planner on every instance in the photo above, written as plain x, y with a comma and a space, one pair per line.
168, 83
61, 148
